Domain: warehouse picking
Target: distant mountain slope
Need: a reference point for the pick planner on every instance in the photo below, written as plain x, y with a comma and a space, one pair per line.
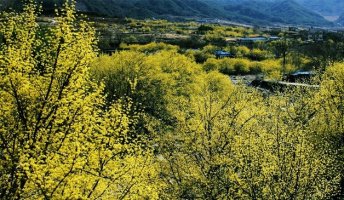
134, 8
340, 20
149, 8
284, 12
245, 11
291, 12
177, 7
324, 7
250, 11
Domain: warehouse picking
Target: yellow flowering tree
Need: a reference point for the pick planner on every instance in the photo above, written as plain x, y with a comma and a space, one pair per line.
328, 121
58, 140
230, 143
216, 140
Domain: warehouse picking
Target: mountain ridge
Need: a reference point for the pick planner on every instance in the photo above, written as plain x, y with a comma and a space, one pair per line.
276, 11
340, 20
254, 12
324, 7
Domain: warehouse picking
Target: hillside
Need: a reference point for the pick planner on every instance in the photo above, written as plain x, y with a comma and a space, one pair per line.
340, 20
133, 8
148, 8
291, 12
324, 7
284, 12
244, 11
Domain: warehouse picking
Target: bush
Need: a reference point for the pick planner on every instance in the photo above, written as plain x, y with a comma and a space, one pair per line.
240, 51
241, 66
256, 67
272, 69
204, 28
200, 56
151, 47
211, 64
259, 55
227, 66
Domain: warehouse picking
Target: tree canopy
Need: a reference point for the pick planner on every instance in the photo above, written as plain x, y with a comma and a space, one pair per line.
149, 122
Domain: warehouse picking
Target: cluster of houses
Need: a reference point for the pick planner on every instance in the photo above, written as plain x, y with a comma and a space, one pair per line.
246, 41
252, 40
298, 79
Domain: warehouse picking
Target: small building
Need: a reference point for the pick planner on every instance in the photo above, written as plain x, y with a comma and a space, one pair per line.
279, 86
222, 54
274, 38
251, 40
300, 76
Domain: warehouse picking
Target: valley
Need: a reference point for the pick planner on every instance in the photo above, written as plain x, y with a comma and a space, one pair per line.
257, 12
171, 99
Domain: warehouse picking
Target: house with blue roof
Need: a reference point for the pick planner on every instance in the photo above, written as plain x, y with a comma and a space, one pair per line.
222, 54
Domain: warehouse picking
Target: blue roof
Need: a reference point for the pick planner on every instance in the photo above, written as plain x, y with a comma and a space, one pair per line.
274, 37
254, 39
220, 53
303, 73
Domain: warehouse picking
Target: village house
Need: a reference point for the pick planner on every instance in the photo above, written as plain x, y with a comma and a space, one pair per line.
222, 54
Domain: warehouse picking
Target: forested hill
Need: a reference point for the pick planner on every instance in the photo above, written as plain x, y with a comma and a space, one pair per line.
324, 7
134, 8
245, 11
285, 12
340, 20
149, 8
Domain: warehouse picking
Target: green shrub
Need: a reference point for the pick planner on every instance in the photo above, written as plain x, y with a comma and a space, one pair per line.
259, 55
242, 66
256, 67
211, 64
